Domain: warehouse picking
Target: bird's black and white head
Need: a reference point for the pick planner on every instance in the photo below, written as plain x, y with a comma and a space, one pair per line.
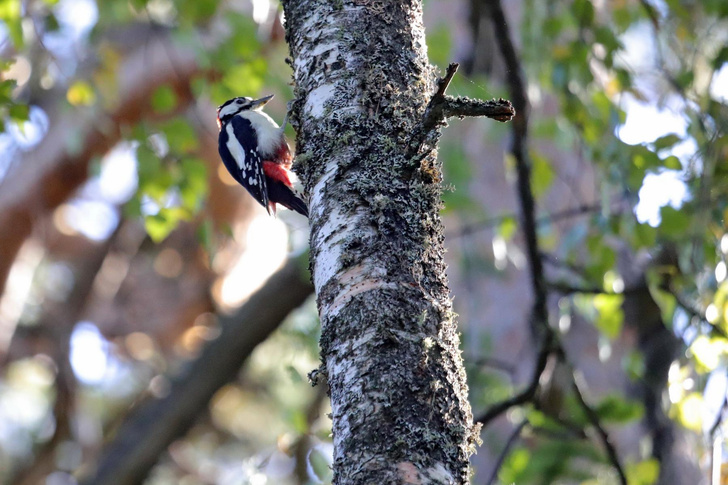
234, 106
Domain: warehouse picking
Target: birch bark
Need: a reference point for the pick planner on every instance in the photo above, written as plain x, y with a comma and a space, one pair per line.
389, 343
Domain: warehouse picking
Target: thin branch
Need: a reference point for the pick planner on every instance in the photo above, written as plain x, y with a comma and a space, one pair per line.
519, 148
539, 312
566, 288
550, 218
651, 13
493, 363
529, 393
691, 310
444, 82
603, 435
506, 450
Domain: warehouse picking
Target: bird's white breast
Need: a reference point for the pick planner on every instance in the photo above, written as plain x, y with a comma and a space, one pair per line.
268, 131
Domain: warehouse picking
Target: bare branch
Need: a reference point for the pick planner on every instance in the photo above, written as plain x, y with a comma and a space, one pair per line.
529, 393
497, 109
603, 435
506, 449
442, 106
444, 82
519, 148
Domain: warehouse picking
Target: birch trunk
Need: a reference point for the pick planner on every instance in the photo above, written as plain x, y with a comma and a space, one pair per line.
389, 342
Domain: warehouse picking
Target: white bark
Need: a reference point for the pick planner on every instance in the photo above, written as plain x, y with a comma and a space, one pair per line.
389, 342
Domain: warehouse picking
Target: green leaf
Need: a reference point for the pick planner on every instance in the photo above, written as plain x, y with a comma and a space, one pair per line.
610, 314
19, 112
685, 79
507, 228
160, 225
180, 135
193, 186
583, 10
542, 174
709, 352
514, 466
247, 78
164, 99
10, 14
80, 93
674, 222
721, 58
673, 163
634, 365
643, 473
666, 141
616, 409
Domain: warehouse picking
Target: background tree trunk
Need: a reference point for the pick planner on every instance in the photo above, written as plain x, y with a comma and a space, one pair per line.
389, 342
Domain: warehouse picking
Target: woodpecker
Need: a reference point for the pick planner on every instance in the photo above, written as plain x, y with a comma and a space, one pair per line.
255, 152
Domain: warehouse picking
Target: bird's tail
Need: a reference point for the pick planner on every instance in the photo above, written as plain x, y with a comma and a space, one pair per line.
281, 194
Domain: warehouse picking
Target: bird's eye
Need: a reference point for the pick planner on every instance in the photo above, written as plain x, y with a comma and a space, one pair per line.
240, 101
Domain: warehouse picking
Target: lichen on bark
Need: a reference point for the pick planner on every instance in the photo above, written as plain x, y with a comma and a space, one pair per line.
389, 341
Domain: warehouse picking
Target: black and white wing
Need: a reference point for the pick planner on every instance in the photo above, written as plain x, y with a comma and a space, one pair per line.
237, 145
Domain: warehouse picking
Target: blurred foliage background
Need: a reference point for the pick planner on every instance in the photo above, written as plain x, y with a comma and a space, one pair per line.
124, 242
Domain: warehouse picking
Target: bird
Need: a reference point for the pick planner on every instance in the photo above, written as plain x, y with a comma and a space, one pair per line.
255, 152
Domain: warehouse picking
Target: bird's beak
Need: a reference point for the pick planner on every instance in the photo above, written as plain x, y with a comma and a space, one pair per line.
259, 103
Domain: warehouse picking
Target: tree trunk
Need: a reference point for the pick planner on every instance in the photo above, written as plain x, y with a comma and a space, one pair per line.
389, 342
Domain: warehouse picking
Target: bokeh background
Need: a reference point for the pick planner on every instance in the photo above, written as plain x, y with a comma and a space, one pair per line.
125, 245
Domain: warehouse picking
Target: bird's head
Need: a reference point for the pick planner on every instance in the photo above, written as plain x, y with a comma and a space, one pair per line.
234, 106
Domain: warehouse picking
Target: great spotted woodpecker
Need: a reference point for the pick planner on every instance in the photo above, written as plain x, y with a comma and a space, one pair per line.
254, 150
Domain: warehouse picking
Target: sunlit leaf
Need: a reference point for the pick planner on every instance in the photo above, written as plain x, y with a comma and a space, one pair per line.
643, 473
160, 225
80, 93
507, 228
10, 15
610, 314
709, 352
689, 411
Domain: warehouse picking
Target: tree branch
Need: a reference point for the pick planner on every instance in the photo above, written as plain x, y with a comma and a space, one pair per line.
506, 449
519, 148
442, 106
529, 393
603, 435
153, 425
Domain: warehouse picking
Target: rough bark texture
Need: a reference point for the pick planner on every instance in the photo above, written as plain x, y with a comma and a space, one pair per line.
389, 343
